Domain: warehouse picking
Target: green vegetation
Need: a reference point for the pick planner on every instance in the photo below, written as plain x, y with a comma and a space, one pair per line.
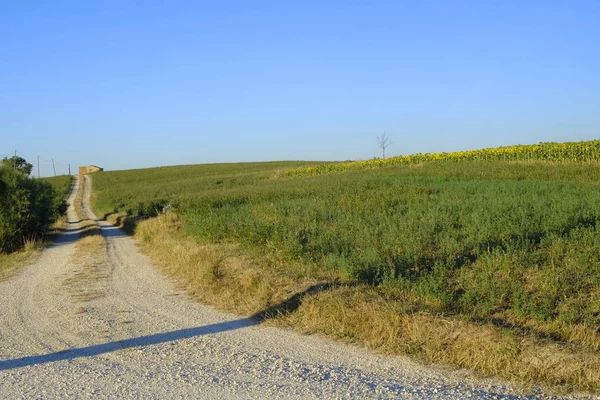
479, 239
510, 246
62, 183
28, 206
147, 191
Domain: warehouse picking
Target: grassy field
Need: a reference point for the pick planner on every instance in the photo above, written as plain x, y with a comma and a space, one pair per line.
61, 183
490, 265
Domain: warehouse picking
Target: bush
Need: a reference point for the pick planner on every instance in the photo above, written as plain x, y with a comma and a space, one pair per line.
27, 207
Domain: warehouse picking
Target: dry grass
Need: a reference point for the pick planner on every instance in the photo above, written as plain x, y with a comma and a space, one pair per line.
88, 278
222, 275
90, 236
362, 315
10, 263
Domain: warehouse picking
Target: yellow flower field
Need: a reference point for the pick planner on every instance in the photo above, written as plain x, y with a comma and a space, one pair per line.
549, 151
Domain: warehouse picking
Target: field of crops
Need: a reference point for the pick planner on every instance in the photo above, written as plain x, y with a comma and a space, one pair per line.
550, 151
512, 243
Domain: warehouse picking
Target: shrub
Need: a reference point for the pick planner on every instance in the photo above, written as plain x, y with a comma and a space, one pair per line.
27, 207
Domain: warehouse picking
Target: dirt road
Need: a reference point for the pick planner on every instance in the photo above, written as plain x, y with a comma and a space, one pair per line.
120, 329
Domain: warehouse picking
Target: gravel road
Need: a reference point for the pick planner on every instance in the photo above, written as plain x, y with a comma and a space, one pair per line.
139, 337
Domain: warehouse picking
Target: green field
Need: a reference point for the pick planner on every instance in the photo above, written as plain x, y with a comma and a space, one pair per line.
61, 183
481, 239
510, 244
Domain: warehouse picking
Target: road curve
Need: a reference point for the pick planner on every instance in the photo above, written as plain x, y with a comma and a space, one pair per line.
137, 336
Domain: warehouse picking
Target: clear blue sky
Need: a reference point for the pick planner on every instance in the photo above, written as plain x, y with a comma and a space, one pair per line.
126, 84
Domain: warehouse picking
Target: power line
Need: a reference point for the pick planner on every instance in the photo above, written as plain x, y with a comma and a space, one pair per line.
21, 154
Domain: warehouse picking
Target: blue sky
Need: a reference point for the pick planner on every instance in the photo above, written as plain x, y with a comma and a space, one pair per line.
139, 84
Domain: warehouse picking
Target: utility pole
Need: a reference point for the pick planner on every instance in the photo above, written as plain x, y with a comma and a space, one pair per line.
38, 167
69, 169
53, 167
15, 161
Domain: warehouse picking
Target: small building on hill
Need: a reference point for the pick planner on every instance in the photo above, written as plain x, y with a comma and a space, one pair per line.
89, 169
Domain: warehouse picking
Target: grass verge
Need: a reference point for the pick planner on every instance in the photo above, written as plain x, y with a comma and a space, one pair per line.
379, 318
10, 263
222, 274
369, 317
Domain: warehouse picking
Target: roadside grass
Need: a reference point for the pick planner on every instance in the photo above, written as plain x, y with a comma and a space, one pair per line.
373, 316
486, 265
11, 262
368, 317
219, 274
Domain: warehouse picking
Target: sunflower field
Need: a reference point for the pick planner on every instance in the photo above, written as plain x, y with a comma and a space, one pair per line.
548, 151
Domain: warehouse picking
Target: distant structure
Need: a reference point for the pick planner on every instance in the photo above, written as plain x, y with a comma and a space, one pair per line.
89, 169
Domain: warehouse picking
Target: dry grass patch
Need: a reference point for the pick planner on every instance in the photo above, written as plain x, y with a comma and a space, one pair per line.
90, 234
363, 315
222, 275
10, 263
87, 280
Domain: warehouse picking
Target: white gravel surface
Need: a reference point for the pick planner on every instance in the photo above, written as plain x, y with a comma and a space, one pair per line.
142, 338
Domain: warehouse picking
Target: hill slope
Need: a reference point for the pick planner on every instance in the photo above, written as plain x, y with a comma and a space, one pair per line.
485, 264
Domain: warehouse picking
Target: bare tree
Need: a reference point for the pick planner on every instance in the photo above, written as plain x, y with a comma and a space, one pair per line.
384, 141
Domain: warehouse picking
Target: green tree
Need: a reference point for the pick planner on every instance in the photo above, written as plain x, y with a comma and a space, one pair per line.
27, 206
18, 163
